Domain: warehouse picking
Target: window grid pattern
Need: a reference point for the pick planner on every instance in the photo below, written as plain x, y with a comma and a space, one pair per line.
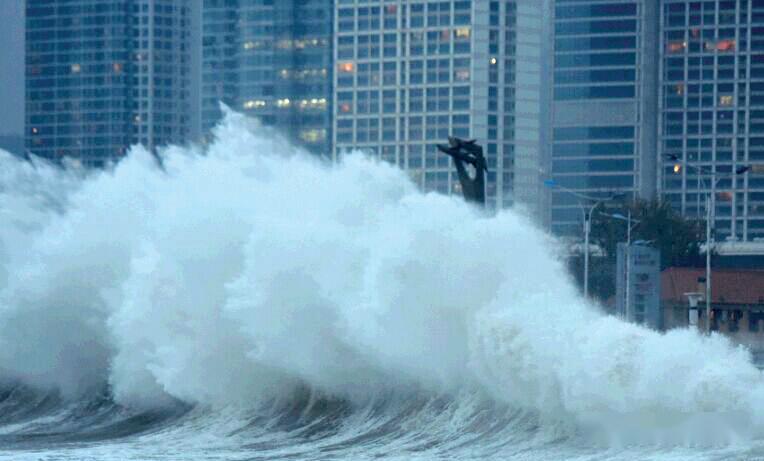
597, 62
271, 60
102, 75
406, 74
712, 111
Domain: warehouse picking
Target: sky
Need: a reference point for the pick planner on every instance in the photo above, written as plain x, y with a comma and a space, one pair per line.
11, 66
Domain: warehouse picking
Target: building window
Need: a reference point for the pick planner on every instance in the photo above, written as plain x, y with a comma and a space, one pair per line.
676, 47
725, 100
313, 135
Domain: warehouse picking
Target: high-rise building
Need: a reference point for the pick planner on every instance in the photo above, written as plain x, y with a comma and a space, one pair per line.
408, 74
271, 60
12, 143
605, 104
712, 112
102, 75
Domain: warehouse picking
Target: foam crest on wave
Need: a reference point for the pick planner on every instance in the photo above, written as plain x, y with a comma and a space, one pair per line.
246, 272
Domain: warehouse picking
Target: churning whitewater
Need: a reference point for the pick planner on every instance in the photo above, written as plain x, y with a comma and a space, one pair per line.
253, 302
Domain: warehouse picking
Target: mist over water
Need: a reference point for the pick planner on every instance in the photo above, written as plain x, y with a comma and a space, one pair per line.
253, 299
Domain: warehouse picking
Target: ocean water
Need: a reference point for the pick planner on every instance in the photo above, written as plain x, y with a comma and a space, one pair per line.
251, 302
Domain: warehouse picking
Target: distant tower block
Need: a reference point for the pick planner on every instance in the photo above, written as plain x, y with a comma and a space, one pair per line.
103, 75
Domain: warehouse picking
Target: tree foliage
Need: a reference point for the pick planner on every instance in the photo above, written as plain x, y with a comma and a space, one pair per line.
656, 222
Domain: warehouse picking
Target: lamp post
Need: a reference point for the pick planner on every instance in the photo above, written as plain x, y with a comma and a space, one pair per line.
587, 214
629, 228
708, 262
587, 232
710, 205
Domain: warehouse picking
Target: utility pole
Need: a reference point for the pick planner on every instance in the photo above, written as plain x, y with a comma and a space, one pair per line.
628, 265
587, 215
631, 225
708, 263
587, 232
710, 205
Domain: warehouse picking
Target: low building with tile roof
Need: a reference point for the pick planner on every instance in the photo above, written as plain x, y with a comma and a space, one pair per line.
737, 302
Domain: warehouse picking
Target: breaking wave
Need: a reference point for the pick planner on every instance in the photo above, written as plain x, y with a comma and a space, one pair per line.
282, 303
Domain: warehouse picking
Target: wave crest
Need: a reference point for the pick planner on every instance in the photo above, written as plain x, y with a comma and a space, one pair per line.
239, 275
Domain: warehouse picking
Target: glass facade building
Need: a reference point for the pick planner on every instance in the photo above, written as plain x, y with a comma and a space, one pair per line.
271, 60
408, 74
605, 104
712, 111
102, 75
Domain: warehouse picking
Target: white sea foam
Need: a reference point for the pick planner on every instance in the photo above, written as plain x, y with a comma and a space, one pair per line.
247, 271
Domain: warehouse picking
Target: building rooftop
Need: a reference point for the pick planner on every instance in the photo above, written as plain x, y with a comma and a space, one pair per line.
728, 286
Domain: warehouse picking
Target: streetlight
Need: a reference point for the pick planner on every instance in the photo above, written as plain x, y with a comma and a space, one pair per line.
587, 212
629, 228
710, 205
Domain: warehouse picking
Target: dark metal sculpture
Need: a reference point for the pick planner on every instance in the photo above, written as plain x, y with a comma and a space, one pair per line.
468, 152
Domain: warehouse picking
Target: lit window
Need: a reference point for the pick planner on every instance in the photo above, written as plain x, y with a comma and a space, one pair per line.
462, 75
676, 47
117, 68
493, 61
346, 67
677, 168
300, 44
248, 45
314, 103
76, 68
462, 32
724, 196
283, 103
726, 45
254, 104
345, 107
313, 135
725, 100
679, 88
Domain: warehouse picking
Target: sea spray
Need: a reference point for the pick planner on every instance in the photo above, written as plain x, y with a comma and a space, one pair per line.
250, 271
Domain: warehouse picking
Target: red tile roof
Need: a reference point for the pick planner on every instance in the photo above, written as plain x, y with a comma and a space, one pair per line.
735, 286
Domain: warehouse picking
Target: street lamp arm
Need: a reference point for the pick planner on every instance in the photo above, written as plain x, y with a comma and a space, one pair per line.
587, 215
620, 217
717, 176
710, 205
574, 193
592, 207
